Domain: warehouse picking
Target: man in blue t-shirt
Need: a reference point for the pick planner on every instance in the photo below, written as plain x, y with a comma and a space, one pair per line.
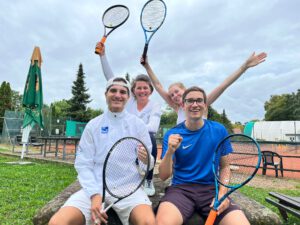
187, 155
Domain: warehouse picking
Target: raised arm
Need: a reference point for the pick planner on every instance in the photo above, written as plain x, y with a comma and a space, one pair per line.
154, 118
252, 61
104, 63
157, 85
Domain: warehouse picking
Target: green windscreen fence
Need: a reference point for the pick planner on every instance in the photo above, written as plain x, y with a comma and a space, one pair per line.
248, 129
74, 128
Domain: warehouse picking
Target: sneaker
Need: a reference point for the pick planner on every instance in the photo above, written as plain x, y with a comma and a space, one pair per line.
149, 188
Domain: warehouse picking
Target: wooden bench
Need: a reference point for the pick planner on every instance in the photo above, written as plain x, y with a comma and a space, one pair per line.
285, 204
256, 213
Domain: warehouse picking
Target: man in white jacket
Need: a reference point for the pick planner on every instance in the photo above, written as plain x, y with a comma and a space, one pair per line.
84, 206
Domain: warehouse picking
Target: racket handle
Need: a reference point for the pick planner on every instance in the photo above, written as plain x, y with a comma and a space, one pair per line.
103, 39
97, 50
107, 208
144, 54
211, 217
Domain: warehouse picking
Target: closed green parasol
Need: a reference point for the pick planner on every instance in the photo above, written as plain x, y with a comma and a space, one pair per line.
33, 97
33, 92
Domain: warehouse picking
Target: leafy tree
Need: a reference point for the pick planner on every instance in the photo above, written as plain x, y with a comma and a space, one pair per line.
255, 120
168, 118
78, 103
221, 118
92, 113
296, 110
16, 101
60, 108
5, 97
213, 114
5, 100
283, 107
238, 125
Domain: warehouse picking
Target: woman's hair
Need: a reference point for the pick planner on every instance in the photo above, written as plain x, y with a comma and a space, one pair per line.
194, 88
141, 77
178, 84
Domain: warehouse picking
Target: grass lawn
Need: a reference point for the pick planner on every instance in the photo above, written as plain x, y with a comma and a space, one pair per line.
259, 195
24, 189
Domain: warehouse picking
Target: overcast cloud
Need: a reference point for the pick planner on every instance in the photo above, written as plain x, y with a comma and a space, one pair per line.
200, 43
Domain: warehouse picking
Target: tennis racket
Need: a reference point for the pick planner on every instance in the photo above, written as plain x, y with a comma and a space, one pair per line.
235, 162
112, 18
125, 169
152, 17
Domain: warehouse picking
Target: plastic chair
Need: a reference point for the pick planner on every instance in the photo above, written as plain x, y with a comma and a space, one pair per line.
272, 159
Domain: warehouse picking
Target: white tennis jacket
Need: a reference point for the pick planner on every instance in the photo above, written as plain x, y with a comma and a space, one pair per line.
98, 137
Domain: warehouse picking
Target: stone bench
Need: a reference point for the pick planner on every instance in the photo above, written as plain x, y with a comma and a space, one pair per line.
256, 213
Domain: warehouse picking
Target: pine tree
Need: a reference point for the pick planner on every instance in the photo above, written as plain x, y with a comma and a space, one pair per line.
226, 122
78, 103
127, 77
5, 97
221, 118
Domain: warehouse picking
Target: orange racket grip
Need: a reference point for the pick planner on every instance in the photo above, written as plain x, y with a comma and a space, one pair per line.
97, 50
103, 40
211, 217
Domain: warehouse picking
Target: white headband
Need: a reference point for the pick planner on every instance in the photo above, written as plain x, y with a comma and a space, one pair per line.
112, 81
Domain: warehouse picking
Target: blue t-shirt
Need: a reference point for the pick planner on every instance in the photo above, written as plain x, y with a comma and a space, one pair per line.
192, 161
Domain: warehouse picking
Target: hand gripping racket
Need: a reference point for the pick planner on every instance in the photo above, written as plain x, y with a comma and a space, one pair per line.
125, 169
112, 18
235, 162
152, 17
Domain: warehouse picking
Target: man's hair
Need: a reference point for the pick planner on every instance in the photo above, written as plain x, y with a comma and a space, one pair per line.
118, 81
194, 88
141, 77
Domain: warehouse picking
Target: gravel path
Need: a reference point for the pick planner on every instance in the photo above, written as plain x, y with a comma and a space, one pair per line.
278, 183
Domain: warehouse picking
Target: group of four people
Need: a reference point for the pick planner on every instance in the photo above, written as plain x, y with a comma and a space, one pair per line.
186, 156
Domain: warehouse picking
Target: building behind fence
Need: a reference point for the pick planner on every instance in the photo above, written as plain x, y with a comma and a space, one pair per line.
274, 130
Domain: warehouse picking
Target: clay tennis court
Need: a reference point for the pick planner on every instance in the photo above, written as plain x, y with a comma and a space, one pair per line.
290, 156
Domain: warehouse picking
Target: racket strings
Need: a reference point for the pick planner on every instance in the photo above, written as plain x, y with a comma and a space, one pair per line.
115, 16
153, 15
241, 162
122, 174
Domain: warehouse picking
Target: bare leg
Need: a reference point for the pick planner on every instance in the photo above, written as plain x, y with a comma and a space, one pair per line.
67, 216
168, 214
142, 215
236, 217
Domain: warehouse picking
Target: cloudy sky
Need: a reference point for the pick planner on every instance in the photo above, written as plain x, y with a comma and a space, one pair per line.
200, 43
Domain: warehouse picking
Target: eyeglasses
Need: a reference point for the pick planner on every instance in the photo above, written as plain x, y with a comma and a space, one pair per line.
191, 101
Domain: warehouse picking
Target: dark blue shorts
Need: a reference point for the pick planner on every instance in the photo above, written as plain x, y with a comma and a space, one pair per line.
190, 198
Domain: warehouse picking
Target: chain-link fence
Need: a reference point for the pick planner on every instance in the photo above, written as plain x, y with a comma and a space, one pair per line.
11, 126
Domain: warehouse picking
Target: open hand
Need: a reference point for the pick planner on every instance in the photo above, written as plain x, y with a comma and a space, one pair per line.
254, 60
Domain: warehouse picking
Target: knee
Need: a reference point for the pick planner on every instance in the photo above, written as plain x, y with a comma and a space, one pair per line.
146, 220
149, 221
160, 220
53, 221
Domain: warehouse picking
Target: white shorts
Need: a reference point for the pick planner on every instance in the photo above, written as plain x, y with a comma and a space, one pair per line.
123, 208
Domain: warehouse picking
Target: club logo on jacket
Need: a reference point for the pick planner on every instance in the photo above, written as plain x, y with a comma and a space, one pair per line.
104, 130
